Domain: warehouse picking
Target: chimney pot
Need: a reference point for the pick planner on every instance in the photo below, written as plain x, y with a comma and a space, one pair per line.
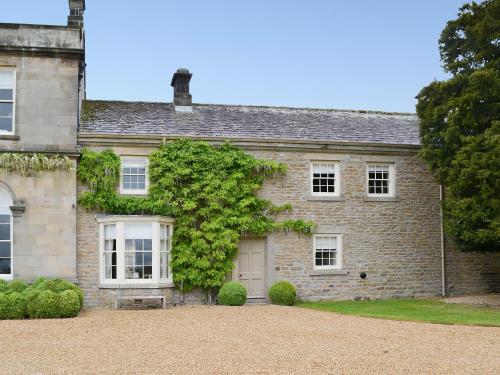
182, 98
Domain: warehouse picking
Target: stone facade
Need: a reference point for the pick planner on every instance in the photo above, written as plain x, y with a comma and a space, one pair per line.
48, 65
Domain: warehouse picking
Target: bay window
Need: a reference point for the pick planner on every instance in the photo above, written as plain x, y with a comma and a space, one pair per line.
135, 250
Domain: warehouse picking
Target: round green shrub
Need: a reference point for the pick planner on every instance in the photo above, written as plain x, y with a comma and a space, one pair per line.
38, 281
17, 307
232, 293
48, 305
31, 295
4, 306
4, 285
59, 285
17, 286
282, 293
69, 304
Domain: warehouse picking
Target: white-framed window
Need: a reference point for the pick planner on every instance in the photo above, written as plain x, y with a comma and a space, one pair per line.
327, 251
380, 179
135, 249
325, 179
134, 176
7, 100
6, 266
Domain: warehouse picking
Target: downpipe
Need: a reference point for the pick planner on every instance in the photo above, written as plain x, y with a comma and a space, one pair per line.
443, 260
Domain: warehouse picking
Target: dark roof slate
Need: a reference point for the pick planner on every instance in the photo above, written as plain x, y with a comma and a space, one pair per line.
252, 122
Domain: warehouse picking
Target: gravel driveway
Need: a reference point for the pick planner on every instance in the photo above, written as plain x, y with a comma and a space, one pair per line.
242, 340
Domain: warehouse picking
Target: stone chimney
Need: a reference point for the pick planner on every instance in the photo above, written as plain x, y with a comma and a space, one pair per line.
182, 98
76, 10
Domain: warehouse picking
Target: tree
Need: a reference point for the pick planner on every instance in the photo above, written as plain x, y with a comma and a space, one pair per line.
460, 126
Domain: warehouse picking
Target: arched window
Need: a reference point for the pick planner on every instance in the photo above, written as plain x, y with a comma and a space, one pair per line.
5, 234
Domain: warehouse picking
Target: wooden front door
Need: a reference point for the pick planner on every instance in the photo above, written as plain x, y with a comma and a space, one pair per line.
252, 266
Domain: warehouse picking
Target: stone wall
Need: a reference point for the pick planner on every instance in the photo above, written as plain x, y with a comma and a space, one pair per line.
45, 235
46, 106
395, 241
471, 272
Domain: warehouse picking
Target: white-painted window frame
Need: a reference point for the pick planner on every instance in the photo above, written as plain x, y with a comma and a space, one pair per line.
339, 252
135, 161
13, 101
120, 222
336, 170
392, 179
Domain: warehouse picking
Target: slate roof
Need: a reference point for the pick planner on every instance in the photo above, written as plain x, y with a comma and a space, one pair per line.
231, 121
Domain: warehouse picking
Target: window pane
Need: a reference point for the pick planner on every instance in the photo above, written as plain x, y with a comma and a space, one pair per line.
6, 109
5, 249
4, 232
6, 94
5, 266
5, 218
6, 78
6, 124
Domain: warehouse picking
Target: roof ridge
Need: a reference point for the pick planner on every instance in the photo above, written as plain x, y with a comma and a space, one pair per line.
253, 106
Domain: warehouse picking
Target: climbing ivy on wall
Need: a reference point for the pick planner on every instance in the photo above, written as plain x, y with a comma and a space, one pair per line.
210, 191
26, 164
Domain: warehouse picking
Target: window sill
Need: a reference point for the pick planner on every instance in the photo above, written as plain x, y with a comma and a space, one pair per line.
9, 137
328, 272
325, 198
137, 286
380, 199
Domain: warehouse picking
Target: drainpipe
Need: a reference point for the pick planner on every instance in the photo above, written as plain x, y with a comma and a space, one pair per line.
443, 265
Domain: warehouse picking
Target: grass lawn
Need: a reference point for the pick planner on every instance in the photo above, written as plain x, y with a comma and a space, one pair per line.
422, 310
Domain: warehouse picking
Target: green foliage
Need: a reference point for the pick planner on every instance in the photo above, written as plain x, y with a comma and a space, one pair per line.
471, 41
38, 281
58, 286
17, 286
69, 304
32, 164
32, 295
100, 171
282, 293
48, 305
45, 298
4, 285
460, 127
232, 293
12, 305
210, 191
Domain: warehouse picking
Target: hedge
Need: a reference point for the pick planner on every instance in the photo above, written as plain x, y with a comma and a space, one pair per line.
45, 298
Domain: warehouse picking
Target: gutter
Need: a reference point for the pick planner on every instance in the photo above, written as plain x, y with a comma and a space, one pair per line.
443, 260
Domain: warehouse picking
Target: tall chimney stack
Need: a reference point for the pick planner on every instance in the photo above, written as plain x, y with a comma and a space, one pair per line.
182, 98
76, 10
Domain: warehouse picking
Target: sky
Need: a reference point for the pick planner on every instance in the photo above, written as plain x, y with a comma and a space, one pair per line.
356, 54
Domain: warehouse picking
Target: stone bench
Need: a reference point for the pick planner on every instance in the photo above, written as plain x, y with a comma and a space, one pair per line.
161, 298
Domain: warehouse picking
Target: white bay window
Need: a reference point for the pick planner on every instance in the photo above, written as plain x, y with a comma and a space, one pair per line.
135, 250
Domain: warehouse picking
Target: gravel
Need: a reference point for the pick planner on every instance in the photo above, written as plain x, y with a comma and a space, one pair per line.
260, 339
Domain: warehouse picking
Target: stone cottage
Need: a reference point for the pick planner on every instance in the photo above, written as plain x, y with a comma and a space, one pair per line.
355, 174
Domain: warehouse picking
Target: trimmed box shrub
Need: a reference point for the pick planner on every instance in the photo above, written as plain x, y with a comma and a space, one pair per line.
232, 293
32, 302
45, 298
48, 305
17, 286
282, 293
4, 285
12, 305
69, 304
